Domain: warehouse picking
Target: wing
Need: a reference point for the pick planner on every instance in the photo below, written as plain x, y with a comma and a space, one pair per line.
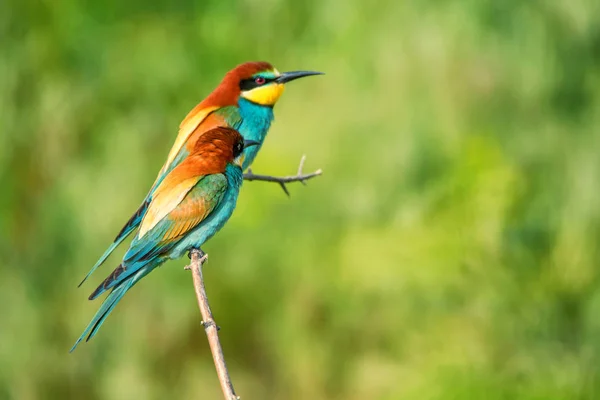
131, 224
181, 209
196, 123
191, 211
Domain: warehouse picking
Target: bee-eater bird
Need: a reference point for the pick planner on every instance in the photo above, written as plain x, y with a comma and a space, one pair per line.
191, 203
243, 101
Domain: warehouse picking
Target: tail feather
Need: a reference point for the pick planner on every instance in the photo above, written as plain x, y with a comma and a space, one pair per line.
109, 304
122, 273
129, 227
103, 258
110, 281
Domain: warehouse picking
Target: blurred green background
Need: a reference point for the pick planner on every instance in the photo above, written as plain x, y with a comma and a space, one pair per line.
449, 251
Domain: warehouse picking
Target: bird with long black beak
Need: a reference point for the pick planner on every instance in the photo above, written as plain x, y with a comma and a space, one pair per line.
243, 101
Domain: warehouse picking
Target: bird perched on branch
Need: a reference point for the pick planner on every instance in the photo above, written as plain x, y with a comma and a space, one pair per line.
243, 101
188, 206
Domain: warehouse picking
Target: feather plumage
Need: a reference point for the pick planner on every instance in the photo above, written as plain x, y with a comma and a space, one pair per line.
192, 202
220, 108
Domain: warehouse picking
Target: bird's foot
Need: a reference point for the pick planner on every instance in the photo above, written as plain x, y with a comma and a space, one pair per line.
193, 250
203, 257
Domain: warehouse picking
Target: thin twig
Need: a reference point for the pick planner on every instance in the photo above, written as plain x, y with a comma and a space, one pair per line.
299, 177
198, 258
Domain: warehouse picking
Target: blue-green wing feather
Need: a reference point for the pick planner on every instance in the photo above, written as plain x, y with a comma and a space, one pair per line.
159, 240
138, 216
151, 250
129, 227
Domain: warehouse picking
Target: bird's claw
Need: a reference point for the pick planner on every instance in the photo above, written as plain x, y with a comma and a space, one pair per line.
203, 257
201, 253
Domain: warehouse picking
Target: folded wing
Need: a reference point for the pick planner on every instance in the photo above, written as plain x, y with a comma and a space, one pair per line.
181, 203
197, 122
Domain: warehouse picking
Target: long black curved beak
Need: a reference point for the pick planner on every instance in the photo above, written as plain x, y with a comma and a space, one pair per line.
250, 143
290, 76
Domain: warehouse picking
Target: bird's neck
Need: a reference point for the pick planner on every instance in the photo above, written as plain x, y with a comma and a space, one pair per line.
255, 123
234, 175
256, 119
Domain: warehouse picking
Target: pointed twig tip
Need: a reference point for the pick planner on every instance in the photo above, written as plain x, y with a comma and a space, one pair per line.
284, 188
301, 166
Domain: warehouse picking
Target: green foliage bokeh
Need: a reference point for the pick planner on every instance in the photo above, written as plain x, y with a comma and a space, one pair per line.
449, 251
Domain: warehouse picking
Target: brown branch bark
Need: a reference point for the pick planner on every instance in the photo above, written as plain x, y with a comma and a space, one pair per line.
210, 327
299, 177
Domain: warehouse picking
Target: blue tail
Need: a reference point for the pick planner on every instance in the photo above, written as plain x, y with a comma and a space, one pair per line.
109, 304
122, 273
129, 227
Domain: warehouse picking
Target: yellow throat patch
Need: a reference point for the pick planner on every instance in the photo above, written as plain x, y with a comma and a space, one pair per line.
264, 95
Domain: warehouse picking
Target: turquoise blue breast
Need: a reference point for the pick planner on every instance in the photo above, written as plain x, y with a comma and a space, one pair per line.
255, 123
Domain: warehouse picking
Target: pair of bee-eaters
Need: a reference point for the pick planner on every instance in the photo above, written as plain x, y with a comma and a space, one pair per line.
196, 190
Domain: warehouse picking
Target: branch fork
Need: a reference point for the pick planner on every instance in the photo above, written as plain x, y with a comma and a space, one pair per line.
299, 177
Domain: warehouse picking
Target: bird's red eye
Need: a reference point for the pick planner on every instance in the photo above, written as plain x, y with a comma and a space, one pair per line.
259, 80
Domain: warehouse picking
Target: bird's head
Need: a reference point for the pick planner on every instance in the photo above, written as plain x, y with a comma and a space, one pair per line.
219, 147
262, 84
257, 82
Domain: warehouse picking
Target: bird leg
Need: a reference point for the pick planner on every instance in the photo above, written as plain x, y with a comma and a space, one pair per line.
299, 177
202, 256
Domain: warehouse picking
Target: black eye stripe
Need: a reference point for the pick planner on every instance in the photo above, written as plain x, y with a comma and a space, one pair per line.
249, 84
237, 149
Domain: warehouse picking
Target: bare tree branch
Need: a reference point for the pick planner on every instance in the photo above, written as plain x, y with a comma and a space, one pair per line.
198, 258
299, 177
